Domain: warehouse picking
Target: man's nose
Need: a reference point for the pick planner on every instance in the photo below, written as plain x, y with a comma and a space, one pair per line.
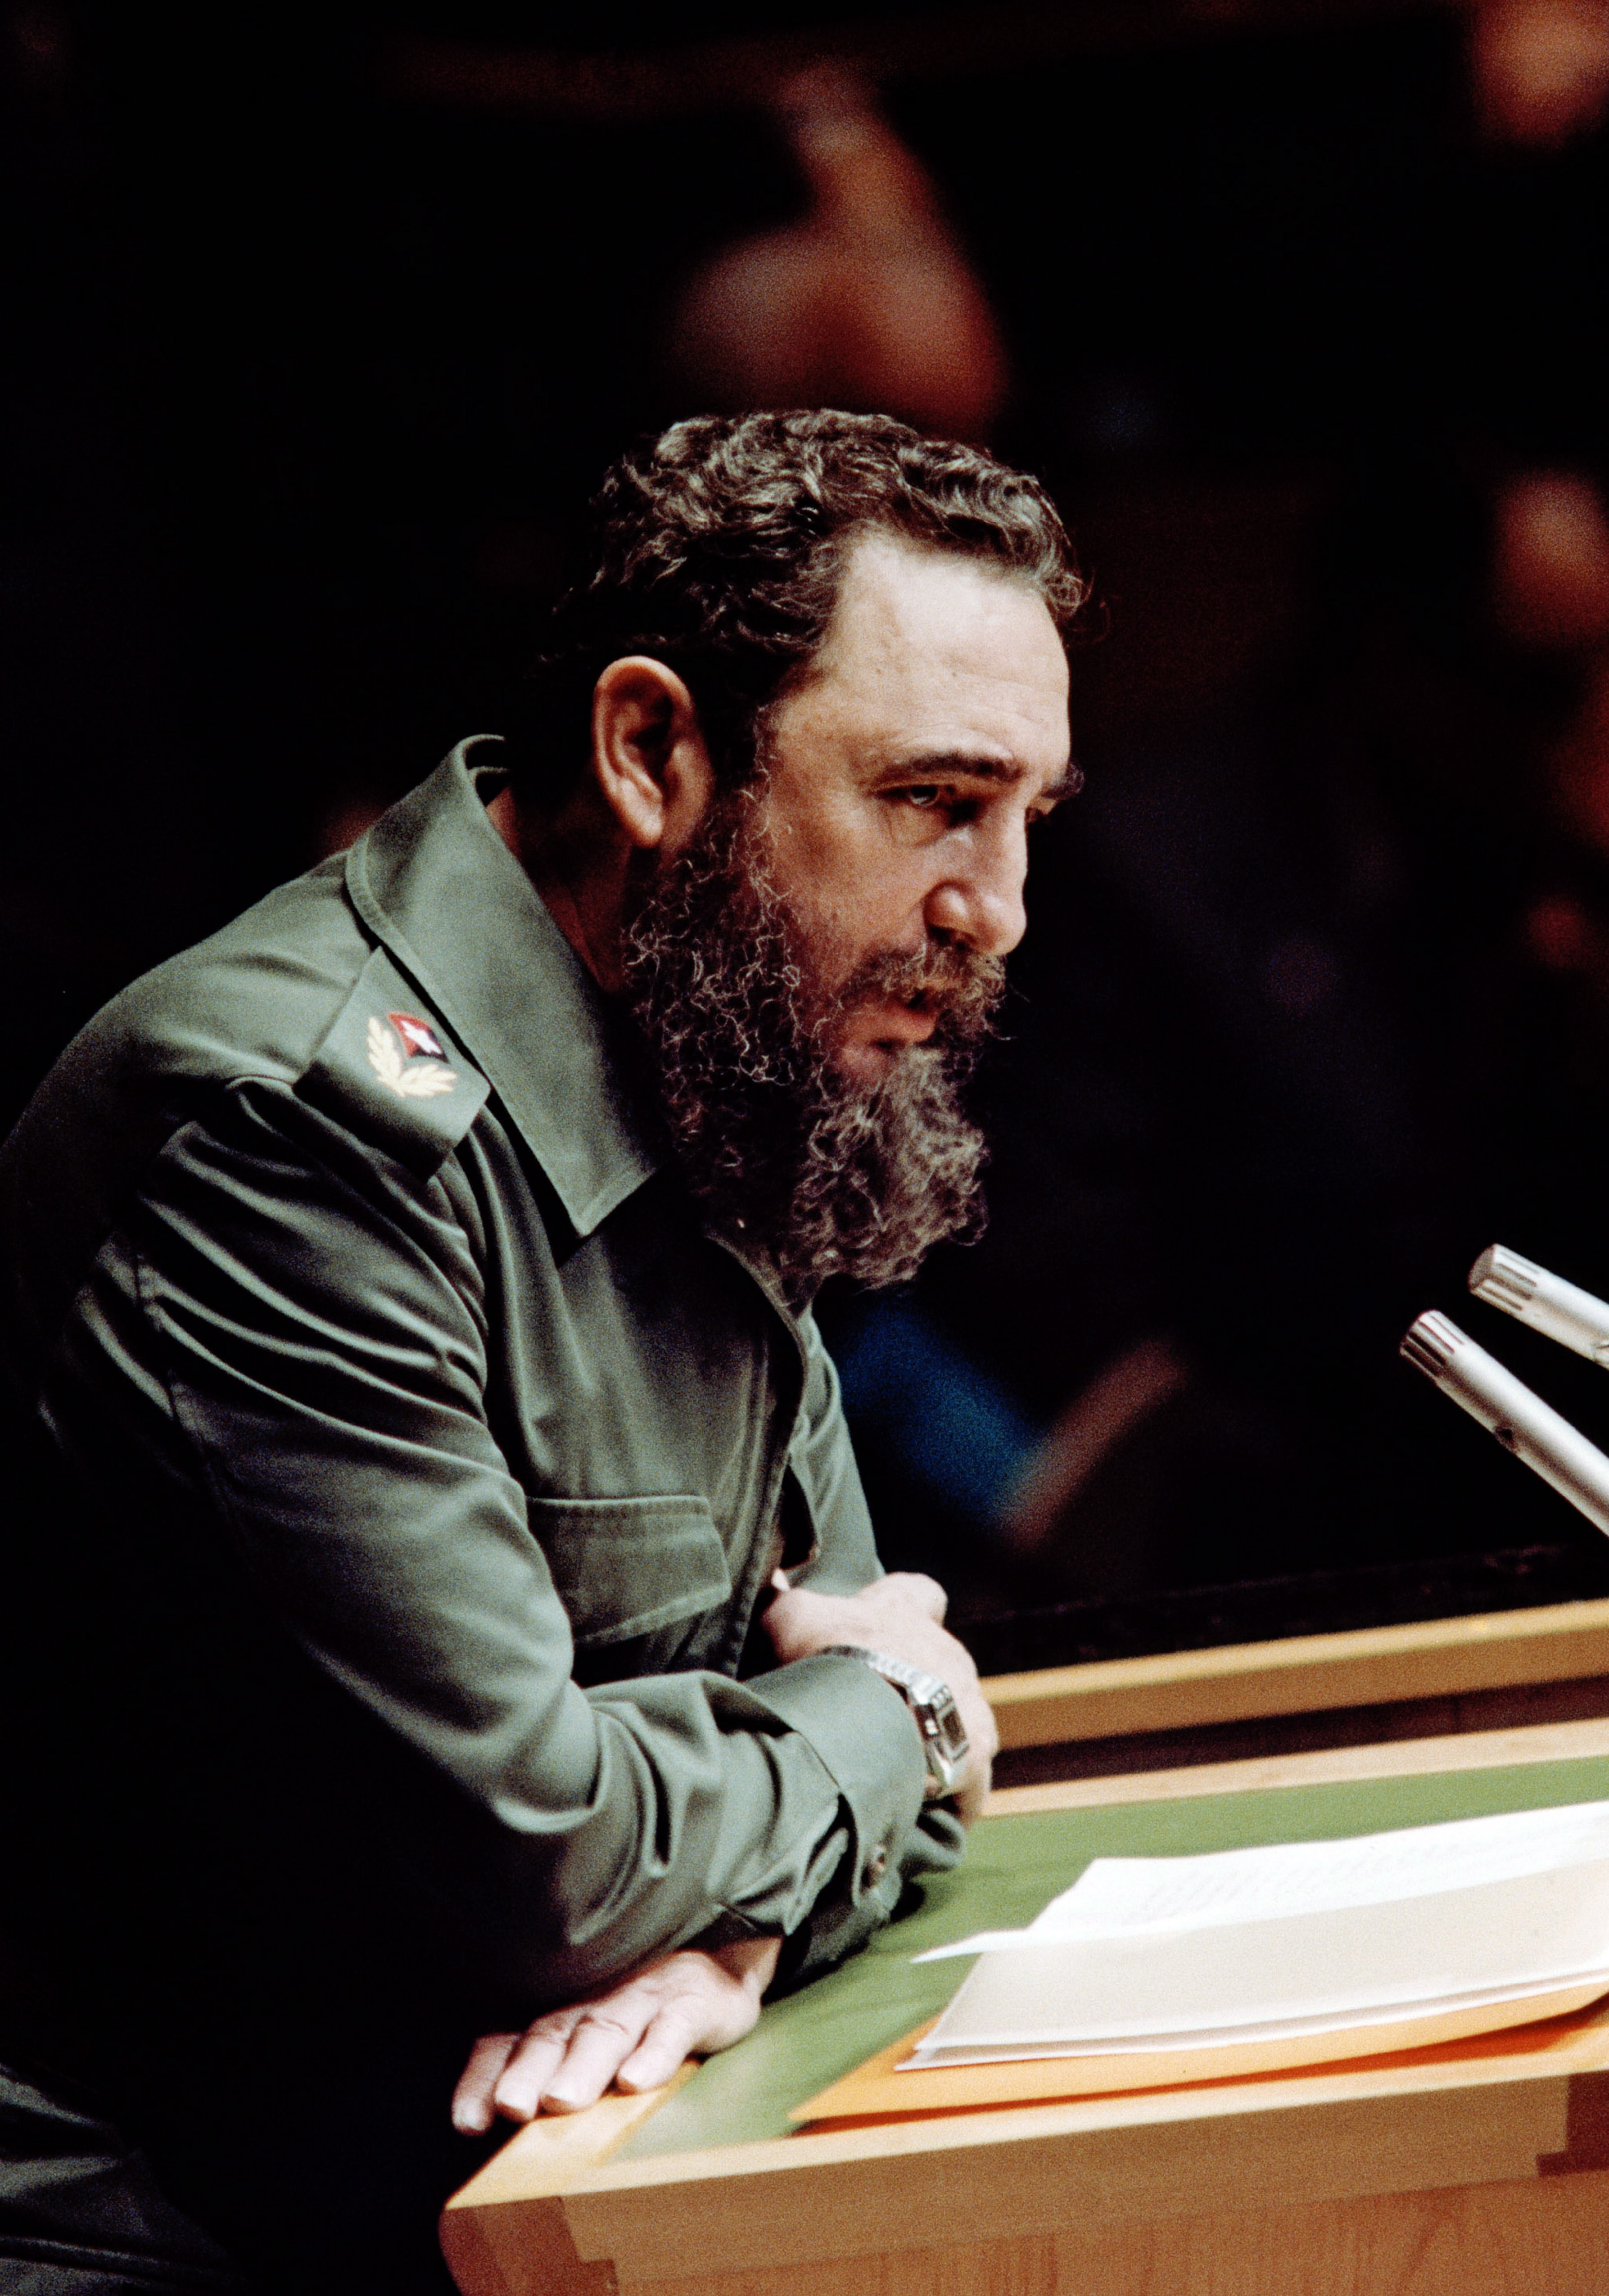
982, 902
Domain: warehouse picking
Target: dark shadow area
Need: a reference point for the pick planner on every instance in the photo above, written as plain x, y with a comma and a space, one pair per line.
1270, 1610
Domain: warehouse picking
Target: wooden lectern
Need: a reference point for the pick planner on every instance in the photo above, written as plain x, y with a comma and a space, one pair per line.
1482, 2170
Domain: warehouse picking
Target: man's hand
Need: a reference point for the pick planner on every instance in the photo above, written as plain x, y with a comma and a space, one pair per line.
902, 1614
634, 2035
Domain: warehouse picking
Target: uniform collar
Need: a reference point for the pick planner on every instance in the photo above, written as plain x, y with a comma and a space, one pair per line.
435, 881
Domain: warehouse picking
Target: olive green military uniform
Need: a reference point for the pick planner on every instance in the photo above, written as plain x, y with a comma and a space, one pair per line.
415, 1464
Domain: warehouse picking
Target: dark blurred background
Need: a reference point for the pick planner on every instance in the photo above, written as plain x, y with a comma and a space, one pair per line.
320, 328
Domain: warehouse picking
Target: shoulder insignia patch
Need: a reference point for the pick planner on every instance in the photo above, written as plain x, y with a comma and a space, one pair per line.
393, 1074
398, 1054
417, 1036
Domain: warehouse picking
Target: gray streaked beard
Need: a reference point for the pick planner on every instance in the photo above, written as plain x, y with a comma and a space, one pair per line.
788, 1156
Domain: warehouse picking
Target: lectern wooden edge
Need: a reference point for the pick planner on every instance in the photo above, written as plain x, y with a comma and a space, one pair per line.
1300, 1674
1504, 2163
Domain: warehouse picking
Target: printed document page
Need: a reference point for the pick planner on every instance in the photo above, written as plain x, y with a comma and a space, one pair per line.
1117, 1896
1312, 1937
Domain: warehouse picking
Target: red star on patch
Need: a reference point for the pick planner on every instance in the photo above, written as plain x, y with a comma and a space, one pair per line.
418, 1034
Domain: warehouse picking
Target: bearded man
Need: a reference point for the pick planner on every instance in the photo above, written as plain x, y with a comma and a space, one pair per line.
446, 1606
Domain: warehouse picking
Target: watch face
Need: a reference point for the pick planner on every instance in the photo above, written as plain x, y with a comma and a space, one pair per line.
950, 1731
944, 1736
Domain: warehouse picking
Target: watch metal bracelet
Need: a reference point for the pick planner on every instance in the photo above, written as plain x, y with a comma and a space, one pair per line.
945, 1744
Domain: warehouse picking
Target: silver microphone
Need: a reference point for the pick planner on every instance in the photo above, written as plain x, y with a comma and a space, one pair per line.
1547, 1302
1521, 1421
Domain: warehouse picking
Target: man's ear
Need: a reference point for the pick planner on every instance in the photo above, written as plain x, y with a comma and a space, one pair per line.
649, 757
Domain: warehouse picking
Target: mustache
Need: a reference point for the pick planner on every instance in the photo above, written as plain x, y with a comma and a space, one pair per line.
961, 986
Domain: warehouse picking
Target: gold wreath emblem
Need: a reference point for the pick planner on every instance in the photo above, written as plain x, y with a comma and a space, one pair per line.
409, 1079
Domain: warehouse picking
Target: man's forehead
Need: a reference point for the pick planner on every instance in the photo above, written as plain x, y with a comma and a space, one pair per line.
900, 606
922, 633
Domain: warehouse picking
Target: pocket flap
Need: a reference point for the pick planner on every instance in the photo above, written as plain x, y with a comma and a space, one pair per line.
624, 1567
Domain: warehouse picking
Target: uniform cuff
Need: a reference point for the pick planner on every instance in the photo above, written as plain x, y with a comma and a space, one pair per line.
861, 1730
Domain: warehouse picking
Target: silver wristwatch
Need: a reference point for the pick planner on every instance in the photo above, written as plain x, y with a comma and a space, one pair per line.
945, 1744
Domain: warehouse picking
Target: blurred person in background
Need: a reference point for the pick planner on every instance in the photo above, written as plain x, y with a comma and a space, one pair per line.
1548, 989
866, 301
1541, 69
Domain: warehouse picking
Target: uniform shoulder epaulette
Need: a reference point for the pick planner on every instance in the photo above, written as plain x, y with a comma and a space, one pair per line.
391, 1071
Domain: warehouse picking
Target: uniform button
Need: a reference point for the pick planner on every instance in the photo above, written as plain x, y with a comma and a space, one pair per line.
877, 1864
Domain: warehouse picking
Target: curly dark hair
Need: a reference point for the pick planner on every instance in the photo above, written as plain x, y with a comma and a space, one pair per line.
717, 549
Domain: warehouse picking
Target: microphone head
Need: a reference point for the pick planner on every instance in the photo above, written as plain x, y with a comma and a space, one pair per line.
1504, 1280
1431, 1343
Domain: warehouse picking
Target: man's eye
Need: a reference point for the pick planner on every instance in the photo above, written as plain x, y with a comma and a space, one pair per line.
940, 802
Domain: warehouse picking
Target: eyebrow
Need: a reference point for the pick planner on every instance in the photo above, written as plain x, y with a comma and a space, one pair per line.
971, 767
1068, 783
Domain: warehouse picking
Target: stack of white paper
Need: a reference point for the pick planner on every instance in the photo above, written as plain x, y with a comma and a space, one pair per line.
1145, 1954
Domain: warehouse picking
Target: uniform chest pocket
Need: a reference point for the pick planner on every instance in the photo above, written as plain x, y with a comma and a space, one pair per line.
624, 1567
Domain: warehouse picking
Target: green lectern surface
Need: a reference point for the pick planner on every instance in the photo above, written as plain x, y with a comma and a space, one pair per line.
1015, 1866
